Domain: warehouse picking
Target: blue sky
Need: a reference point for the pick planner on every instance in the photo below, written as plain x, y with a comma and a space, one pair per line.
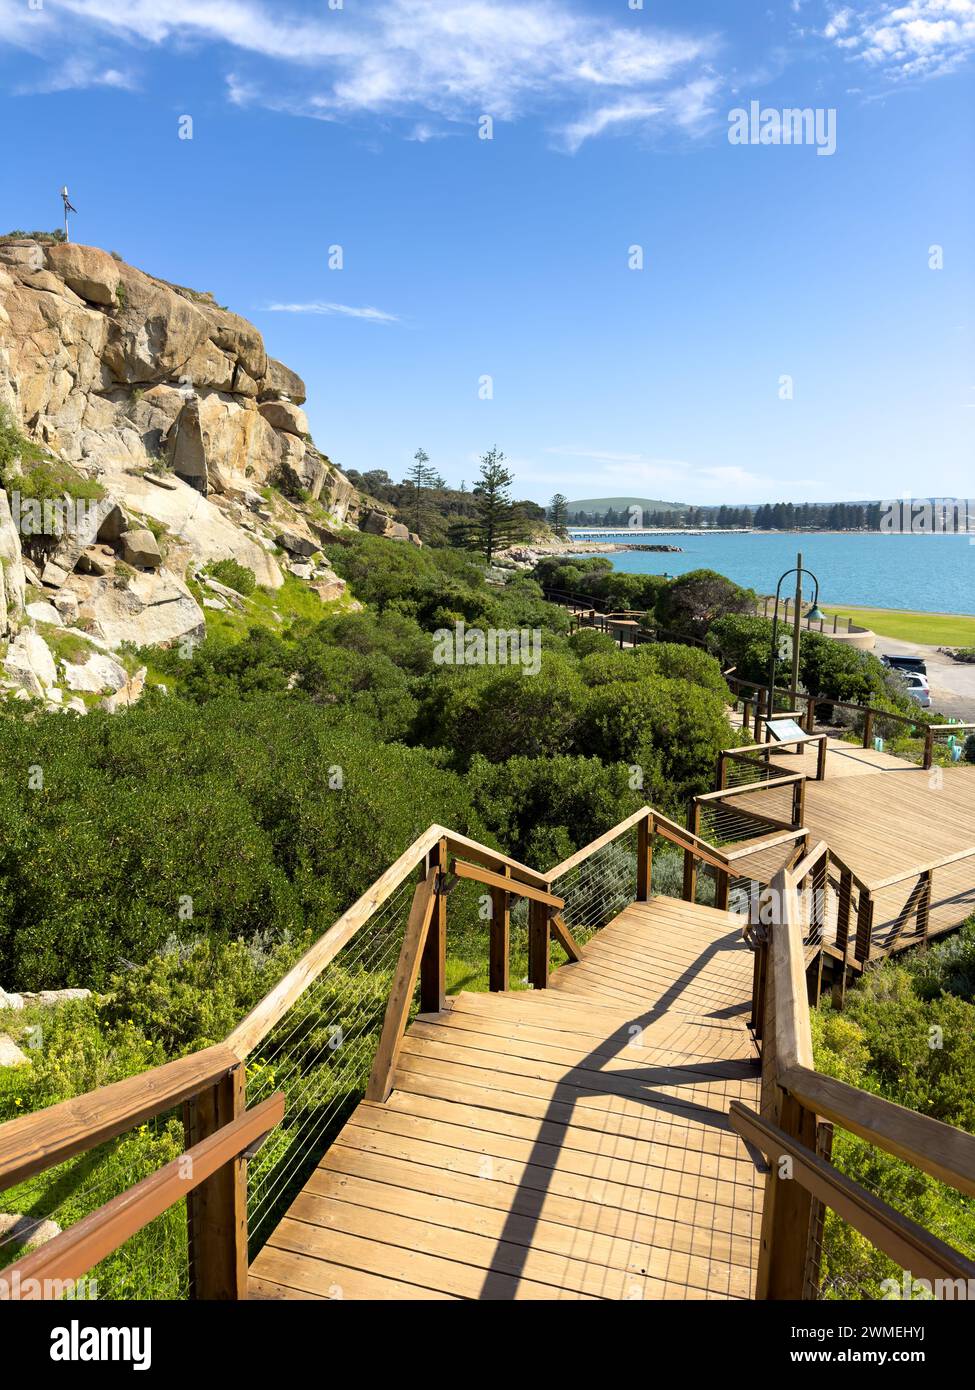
357, 124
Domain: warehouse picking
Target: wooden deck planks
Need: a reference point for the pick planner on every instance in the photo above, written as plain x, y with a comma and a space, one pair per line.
883, 816
565, 1143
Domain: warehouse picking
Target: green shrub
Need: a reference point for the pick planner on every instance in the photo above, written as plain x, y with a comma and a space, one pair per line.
234, 575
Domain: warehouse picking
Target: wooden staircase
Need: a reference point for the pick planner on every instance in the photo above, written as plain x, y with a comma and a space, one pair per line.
563, 1143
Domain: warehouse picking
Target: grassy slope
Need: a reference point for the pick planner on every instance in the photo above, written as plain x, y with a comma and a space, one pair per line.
930, 629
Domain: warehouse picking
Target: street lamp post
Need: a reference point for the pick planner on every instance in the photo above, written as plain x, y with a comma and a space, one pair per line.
815, 615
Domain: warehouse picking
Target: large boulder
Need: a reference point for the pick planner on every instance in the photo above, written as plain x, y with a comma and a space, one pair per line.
87, 522
280, 381
13, 578
186, 447
90, 272
238, 338
339, 495
141, 549
29, 664
152, 609
25, 254
285, 415
154, 332
204, 530
96, 675
381, 524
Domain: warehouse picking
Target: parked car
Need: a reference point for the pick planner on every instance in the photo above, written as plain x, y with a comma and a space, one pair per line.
917, 687
906, 663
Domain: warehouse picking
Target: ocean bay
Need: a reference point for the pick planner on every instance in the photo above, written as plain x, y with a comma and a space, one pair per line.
923, 573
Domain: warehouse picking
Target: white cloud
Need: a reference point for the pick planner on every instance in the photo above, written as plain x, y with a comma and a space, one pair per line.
447, 59
347, 310
923, 38
78, 73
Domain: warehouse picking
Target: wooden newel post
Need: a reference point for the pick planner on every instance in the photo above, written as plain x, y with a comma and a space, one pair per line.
928, 748
500, 937
868, 728
787, 1210
433, 963
644, 860
539, 938
216, 1211
690, 862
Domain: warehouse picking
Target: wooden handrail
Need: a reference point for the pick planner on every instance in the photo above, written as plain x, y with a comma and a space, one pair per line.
688, 841
793, 1035
881, 883
942, 1150
601, 841
756, 846
272, 1008
809, 861
34, 1142
77, 1250
794, 1094
907, 1243
403, 987
789, 779
508, 885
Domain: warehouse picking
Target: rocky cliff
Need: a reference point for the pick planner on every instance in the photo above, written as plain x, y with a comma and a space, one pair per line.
162, 438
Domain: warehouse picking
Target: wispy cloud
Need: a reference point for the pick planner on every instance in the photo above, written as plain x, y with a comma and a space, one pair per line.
347, 310
79, 73
426, 61
636, 474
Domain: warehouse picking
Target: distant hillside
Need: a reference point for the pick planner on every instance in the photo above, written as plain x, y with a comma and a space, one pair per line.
599, 506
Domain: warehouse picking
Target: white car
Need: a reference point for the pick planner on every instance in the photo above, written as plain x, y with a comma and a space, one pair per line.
917, 687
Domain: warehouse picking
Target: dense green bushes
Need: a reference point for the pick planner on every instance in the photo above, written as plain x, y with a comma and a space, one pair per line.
907, 1033
228, 819
831, 670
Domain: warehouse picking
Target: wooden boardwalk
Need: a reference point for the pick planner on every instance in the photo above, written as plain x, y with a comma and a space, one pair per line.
884, 817
571, 1142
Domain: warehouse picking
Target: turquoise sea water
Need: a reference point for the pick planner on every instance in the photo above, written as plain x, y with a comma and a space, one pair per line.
932, 574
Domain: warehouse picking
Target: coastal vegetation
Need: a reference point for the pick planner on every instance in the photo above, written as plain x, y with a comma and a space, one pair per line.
178, 856
906, 1034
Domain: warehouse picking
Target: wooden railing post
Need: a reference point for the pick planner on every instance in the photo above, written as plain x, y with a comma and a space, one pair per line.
722, 886
817, 1221
500, 937
811, 714
842, 936
644, 859
928, 748
924, 906
539, 939
864, 926
433, 964
868, 728
216, 1211
821, 761
787, 1208
746, 716
798, 803
690, 862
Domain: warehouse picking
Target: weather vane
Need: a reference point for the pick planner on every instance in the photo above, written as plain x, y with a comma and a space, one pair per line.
68, 207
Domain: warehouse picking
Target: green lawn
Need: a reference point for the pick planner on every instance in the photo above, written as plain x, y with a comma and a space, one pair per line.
931, 629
